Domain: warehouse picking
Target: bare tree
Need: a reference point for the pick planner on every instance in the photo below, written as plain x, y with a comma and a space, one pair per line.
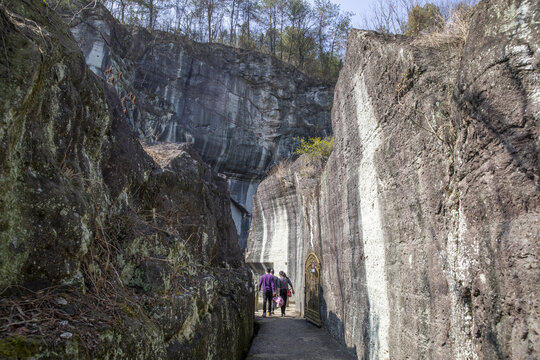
269, 19
391, 16
299, 31
248, 10
233, 20
326, 14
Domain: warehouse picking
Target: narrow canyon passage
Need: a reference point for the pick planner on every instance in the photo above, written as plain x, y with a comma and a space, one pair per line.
292, 337
148, 180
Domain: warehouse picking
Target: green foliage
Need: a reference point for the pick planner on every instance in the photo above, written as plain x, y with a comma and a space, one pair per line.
310, 35
422, 18
138, 280
17, 347
316, 147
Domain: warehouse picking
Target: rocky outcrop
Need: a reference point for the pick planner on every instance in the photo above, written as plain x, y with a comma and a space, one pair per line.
240, 109
104, 252
426, 216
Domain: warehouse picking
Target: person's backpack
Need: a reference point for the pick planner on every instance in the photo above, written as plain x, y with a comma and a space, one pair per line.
283, 284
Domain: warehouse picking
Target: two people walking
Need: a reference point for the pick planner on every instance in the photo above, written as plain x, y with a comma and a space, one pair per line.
284, 283
271, 286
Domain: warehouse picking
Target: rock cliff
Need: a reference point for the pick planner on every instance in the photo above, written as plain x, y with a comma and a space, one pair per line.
240, 109
426, 216
104, 251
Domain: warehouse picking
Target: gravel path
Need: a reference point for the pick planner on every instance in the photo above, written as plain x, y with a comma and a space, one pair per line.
293, 338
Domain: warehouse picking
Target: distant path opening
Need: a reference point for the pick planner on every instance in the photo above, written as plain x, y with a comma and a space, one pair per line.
292, 337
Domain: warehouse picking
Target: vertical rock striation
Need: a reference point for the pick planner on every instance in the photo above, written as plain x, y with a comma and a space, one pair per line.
240, 109
426, 216
284, 210
498, 179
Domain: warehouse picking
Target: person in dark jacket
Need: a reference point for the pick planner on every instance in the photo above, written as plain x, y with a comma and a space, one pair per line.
284, 283
276, 286
268, 289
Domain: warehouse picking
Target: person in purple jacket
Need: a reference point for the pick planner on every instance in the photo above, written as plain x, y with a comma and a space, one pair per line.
269, 290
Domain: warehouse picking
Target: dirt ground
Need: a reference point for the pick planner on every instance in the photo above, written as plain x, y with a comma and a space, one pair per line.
293, 338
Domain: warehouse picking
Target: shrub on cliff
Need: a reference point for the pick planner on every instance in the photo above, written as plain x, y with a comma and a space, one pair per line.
422, 18
452, 31
413, 17
316, 147
280, 169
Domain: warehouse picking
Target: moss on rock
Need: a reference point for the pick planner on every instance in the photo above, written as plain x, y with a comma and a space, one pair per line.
135, 253
18, 347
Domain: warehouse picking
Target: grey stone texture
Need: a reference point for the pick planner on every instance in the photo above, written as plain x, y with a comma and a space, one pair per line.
426, 215
145, 252
240, 109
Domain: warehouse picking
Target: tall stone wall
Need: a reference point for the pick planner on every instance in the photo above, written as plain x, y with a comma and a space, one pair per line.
105, 253
285, 213
240, 109
426, 216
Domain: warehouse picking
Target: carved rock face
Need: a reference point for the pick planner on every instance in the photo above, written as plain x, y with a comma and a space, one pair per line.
239, 109
80, 200
426, 216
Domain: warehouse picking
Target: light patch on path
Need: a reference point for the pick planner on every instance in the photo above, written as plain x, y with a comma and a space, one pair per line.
292, 337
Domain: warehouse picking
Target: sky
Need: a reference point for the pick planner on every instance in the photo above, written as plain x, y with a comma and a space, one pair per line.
358, 7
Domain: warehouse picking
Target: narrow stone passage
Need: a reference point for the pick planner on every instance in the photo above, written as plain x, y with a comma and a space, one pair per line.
292, 337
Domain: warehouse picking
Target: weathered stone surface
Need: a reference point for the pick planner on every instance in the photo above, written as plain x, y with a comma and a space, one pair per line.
131, 258
282, 212
52, 140
194, 200
426, 216
498, 173
240, 109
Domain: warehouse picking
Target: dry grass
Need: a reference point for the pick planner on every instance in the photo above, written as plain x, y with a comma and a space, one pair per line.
454, 31
103, 302
280, 169
163, 153
49, 313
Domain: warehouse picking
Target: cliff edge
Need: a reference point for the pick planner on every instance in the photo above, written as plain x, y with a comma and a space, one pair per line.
240, 109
